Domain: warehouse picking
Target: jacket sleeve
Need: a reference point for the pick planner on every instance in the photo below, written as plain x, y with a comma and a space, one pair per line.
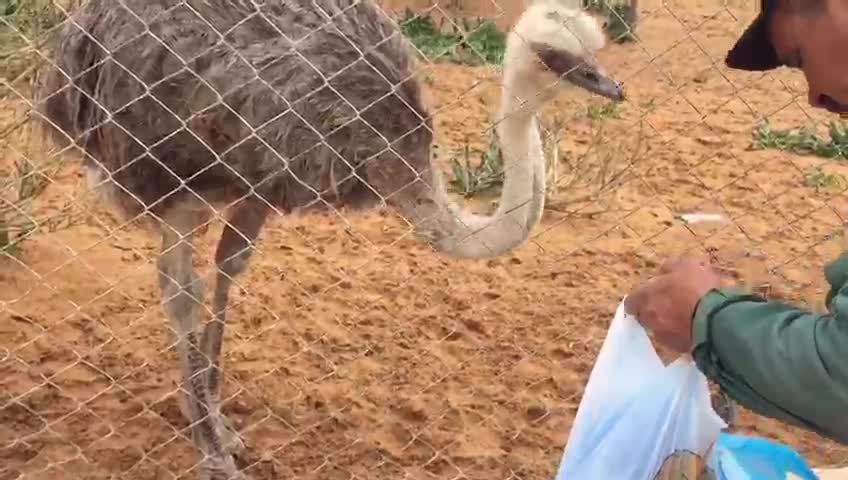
778, 360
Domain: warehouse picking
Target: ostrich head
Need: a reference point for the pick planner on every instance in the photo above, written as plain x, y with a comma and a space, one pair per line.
556, 40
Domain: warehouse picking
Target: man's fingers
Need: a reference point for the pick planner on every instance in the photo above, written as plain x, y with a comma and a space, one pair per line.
631, 303
670, 265
634, 301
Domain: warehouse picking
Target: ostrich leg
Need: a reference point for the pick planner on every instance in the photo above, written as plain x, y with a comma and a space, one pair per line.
182, 294
231, 258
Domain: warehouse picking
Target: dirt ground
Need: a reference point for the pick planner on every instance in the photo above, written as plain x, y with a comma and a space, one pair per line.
353, 351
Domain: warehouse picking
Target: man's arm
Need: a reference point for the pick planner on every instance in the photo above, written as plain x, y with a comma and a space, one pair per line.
776, 359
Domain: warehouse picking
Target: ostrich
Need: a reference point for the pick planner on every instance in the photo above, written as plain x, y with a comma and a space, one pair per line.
182, 109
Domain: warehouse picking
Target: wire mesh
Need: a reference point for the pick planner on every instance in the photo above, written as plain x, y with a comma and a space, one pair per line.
351, 349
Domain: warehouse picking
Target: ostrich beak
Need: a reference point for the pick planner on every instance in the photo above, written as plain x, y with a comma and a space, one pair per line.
594, 78
579, 71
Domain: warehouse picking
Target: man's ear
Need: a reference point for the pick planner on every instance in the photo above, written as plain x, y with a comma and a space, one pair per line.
556, 60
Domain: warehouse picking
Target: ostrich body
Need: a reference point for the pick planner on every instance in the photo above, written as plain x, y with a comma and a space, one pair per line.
185, 108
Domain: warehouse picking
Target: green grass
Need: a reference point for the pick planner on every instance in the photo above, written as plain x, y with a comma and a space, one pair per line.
15, 220
24, 27
475, 171
807, 141
620, 23
602, 112
803, 141
473, 177
8, 7
473, 42
649, 106
818, 179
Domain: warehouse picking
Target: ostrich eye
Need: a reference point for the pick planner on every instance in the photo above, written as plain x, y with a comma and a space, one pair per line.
591, 76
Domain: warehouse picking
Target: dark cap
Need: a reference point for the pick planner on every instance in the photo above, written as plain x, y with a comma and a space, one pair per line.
754, 51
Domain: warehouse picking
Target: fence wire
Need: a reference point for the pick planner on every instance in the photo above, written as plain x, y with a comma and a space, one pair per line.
352, 349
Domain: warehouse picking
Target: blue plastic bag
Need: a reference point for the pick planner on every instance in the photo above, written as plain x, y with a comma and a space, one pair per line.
739, 457
636, 412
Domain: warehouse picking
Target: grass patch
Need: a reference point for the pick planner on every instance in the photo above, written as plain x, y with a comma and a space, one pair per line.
620, 19
649, 106
24, 29
8, 7
484, 173
818, 179
26, 171
474, 171
602, 112
22, 186
474, 42
803, 141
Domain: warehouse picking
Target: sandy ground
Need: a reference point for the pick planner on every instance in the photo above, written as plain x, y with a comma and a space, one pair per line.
354, 351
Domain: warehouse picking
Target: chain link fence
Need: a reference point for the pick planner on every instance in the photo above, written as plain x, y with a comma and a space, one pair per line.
351, 349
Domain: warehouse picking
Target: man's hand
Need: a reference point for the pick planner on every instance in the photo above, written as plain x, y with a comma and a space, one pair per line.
666, 303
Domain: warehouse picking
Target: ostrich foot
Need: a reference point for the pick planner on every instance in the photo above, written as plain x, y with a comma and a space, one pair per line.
231, 440
220, 469
230, 437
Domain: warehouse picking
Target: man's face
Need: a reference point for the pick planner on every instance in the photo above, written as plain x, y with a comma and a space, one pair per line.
815, 40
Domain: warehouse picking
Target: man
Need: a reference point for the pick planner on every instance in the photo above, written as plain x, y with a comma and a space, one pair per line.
778, 360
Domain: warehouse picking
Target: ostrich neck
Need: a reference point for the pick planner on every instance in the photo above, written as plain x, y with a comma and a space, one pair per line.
521, 146
522, 195
521, 99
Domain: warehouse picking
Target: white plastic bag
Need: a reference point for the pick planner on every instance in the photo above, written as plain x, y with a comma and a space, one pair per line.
636, 412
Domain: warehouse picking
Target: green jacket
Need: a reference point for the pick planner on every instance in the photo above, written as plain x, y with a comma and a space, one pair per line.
778, 360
